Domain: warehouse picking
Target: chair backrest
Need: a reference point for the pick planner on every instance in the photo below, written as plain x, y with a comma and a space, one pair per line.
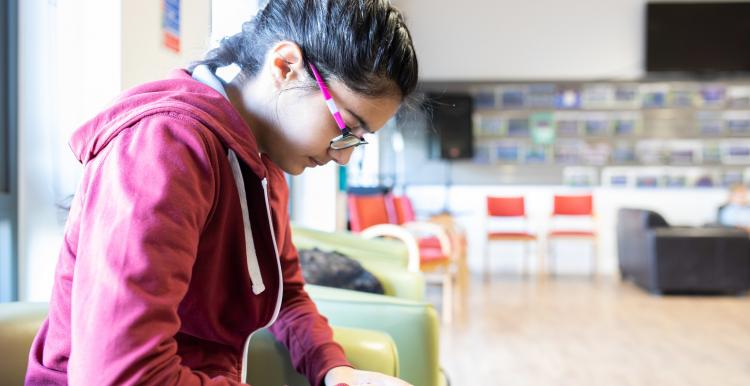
506, 207
404, 209
573, 205
368, 210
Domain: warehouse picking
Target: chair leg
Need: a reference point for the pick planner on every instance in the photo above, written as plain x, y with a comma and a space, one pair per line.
487, 261
525, 258
594, 259
447, 297
551, 269
541, 265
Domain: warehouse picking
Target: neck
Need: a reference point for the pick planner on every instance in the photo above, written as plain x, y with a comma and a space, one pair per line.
252, 109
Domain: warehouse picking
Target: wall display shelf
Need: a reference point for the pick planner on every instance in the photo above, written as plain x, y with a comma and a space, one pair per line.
601, 125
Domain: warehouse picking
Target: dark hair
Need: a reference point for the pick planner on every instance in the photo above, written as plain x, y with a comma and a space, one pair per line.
363, 43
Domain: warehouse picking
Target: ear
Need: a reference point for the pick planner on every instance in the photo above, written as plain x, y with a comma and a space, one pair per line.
285, 62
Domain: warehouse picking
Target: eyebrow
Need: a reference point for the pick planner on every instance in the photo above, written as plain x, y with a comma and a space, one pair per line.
361, 121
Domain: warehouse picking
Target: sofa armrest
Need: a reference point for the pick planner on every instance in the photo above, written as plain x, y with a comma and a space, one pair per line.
268, 361
399, 233
361, 250
381, 249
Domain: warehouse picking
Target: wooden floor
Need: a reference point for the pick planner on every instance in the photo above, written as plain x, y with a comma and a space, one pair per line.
576, 331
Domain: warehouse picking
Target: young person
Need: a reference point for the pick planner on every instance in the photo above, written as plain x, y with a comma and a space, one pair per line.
736, 212
177, 247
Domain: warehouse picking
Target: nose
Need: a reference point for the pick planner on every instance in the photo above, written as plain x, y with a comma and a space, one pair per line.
341, 156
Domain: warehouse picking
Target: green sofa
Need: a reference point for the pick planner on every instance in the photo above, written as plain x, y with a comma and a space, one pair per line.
386, 259
380, 333
268, 361
413, 326
395, 334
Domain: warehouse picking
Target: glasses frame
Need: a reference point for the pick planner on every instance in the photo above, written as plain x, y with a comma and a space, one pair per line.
347, 139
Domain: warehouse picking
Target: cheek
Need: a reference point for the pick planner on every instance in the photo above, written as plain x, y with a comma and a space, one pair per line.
305, 127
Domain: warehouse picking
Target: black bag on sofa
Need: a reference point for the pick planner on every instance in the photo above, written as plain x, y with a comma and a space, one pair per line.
333, 269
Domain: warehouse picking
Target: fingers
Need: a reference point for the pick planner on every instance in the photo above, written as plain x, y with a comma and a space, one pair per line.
369, 378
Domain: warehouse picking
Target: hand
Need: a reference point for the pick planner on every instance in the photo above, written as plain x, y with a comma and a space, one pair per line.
353, 377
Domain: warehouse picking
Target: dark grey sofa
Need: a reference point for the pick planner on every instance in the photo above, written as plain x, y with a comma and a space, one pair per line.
665, 259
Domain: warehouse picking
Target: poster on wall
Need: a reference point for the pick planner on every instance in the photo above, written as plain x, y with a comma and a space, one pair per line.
597, 124
735, 152
508, 151
568, 151
626, 124
738, 96
484, 99
568, 98
712, 95
542, 128
627, 96
731, 177
579, 176
737, 122
482, 153
683, 95
567, 124
597, 96
488, 125
654, 95
512, 97
709, 123
171, 24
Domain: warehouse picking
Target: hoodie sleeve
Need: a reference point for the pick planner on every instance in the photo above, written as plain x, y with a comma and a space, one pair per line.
302, 329
146, 198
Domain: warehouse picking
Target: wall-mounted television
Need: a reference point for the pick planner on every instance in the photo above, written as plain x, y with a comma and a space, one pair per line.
698, 37
449, 116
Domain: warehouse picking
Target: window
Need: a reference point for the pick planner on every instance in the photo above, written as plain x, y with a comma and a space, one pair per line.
8, 189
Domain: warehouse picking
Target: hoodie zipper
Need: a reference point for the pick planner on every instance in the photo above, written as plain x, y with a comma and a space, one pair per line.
276, 310
280, 294
205, 76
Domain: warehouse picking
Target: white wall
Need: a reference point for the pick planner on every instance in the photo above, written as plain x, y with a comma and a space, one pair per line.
144, 57
527, 39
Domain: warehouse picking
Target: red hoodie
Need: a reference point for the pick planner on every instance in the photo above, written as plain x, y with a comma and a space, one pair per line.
154, 283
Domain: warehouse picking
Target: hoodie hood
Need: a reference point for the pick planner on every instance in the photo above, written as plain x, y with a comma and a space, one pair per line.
179, 93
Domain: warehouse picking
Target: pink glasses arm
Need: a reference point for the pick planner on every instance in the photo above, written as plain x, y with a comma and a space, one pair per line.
329, 100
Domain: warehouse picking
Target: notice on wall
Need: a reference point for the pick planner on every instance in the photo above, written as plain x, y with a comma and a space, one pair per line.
171, 24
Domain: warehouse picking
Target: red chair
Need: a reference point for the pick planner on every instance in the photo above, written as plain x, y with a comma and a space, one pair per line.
428, 244
507, 208
368, 210
581, 206
430, 247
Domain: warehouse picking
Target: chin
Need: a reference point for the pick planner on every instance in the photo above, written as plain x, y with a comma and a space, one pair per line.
294, 170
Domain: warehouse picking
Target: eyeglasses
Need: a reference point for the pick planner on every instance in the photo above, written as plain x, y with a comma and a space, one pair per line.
346, 139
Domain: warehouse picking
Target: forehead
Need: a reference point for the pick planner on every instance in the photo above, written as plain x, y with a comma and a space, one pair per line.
374, 110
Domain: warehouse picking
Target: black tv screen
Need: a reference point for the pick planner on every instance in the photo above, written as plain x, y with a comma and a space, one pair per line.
451, 125
698, 37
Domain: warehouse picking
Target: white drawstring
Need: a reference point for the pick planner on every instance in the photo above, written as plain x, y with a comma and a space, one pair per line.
252, 257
